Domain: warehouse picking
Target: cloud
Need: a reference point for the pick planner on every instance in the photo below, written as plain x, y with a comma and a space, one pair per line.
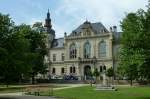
67, 15
109, 12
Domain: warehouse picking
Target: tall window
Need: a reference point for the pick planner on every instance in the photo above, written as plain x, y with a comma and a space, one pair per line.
87, 50
62, 70
101, 69
53, 71
54, 57
73, 69
73, 51
62, 56
70, 69
102, 49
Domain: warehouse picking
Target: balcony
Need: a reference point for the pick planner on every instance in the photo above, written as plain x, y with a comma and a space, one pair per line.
87, 60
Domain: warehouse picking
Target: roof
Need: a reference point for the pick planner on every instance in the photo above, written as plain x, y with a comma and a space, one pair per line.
58, 43
96, 28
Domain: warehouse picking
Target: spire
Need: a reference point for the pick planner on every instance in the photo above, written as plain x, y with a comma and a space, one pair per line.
48, 14
48, 21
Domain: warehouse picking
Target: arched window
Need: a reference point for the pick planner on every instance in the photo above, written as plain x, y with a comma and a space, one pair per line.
87, 50
73, 51
102, 49
101, 69
104, 67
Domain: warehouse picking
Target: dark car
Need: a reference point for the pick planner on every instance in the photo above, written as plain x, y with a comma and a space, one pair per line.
70, 77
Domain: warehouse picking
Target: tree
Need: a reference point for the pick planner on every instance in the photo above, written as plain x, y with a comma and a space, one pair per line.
135, 53
22, 51
14, 48
131, 53
38, 46
96, 73
110, 73
90, 73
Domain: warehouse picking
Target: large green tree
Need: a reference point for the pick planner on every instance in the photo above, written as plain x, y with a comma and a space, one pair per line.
22, 50
13, 51
135, 47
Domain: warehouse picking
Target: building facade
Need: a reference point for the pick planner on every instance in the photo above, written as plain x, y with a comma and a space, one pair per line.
88, 47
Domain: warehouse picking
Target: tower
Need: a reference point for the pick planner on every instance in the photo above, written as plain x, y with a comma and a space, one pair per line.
48, 27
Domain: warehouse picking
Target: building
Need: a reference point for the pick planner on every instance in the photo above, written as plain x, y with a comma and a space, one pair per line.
88, 47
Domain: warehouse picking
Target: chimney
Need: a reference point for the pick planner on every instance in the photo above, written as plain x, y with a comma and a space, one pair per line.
114, 28
65, 34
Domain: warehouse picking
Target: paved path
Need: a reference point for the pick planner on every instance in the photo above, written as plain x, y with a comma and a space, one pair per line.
26, 97
12, 94
70, 86
21, 95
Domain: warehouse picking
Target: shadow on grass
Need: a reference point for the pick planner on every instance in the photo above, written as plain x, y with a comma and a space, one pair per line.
7, 98
143, 98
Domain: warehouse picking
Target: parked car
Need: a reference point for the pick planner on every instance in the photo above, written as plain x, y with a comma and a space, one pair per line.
70, 77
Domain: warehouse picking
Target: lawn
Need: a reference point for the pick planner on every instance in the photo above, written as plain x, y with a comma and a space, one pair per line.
90, 93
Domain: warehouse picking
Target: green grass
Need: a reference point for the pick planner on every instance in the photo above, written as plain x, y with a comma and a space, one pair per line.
11, 89
90, 93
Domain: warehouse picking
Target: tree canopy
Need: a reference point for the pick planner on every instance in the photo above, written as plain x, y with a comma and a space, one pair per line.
22, 50
135, 47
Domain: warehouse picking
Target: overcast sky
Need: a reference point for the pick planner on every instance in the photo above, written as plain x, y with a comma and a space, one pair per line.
67, 15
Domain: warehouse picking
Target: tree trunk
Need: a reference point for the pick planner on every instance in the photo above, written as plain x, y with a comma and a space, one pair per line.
33, 79
112, 80
131, 82
7, 85
91, 82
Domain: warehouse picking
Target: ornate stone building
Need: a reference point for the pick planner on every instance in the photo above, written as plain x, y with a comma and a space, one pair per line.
89, 46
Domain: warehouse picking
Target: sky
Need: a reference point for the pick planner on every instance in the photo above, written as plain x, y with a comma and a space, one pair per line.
67, 15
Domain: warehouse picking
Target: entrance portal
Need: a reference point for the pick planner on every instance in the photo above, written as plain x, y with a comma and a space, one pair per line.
87, 72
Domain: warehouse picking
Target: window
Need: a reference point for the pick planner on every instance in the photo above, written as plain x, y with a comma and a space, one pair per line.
102, 49
73, 51
53, 71
102, 68
87, 50
54, 57
62, 70
62, 56
72, 70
